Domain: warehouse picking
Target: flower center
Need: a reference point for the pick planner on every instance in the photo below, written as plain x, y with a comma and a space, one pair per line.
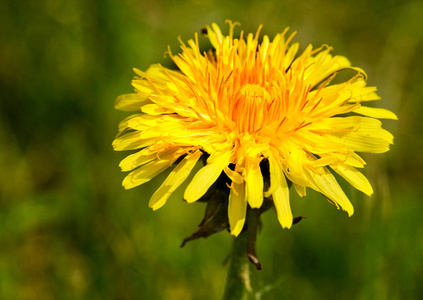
252, 106
255, 93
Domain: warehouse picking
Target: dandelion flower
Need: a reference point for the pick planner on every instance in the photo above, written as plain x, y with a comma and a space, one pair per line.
263, 114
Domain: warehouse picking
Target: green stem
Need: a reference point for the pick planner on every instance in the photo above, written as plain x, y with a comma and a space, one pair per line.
238, 278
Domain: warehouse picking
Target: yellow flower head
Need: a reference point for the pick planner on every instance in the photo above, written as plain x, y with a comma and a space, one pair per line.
251, 109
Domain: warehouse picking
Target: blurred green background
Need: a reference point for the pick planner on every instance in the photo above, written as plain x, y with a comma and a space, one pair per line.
68, 230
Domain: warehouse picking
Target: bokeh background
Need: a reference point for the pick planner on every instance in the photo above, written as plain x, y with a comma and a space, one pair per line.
68, 230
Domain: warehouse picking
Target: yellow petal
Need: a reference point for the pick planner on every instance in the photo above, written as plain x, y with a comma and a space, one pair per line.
254, 183
156, 73
373, 112
143, 121
206, 176
150, 170
237, 208
131, 102
264, 47
324, 65
335, 124
359, 92
164, 130
293, 165
326, 184
234, 176
154, 109
143, 86
169, 103
352, 159
370, 137
290, 54
354, 177
321, 162
137, 159
362, 143
318, 143
215, 36
174, 180
124, 123
281, 202
131, 141
300, 189
127, 141
142, 157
